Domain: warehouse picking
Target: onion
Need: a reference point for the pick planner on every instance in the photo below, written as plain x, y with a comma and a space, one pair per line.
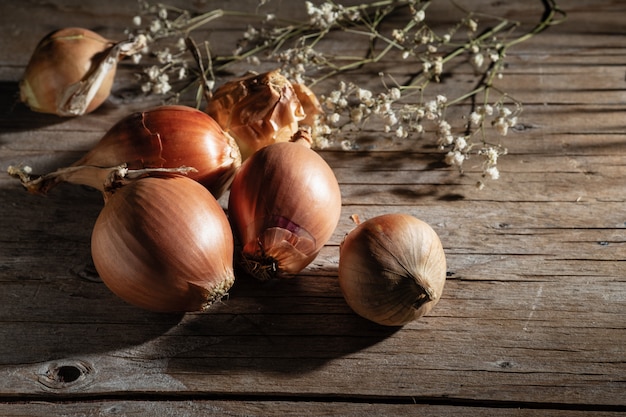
284, 205
71, 71
257, 110
310, 104
392, 269
163, 137
164, 244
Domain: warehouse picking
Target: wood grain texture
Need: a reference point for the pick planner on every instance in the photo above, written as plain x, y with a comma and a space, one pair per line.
532, 319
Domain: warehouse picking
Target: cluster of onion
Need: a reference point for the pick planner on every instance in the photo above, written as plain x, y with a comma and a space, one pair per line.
162, 241
284, 201
392, 268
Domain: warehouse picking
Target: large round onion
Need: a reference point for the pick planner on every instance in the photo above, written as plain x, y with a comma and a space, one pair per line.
392, 269
284, 205
162, 137
164, 244
169, 137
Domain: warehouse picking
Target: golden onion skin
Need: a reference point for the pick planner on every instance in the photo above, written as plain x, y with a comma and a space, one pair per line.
164, 244
257, 110
169, 137
392, 269
63, 58
284, 205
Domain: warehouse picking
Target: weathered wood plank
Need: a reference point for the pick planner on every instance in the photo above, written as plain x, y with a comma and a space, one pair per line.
287, 408
532, 316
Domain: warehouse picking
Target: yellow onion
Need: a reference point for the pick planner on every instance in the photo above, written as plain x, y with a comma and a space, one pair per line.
164, 244
162, 137
257, 110
392, 269
310, 104
71, 71
284, 205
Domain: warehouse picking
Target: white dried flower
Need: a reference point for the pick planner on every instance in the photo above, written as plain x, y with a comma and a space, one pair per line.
162, 13
438, 69
460, 144
153, 72
395, 93
502, 126
477, 60
364, 96
346, 145
356, 115
454, 158
419, 16
492, 172
398, 35
472, 25
155, 26
137, 20
475, 118
253, 60
391, 119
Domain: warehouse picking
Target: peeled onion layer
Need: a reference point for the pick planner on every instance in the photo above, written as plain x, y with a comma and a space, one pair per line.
392, 269
164, 244
288, 245
169, 136
284, 205
257, 110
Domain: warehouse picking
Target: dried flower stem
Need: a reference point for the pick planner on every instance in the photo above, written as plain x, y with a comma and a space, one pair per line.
404, 107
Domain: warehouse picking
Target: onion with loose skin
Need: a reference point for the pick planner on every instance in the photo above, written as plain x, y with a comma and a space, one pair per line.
257, 110
164, 244
284, 205
71, 71
162, 137
392, 269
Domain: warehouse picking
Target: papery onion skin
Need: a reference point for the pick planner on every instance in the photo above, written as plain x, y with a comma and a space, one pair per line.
168, 137
392, 269
310, 104
63, 58
257, 110
284, 206
164, 244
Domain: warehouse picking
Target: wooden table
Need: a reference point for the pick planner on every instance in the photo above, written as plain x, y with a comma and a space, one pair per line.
533, 316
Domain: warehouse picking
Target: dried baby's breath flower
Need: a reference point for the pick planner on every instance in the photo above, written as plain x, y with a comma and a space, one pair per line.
402, 111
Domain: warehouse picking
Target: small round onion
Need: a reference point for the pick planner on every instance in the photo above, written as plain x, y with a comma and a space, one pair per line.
162, 137
61, 59
284, 206
257, 110
164, 244
392, 269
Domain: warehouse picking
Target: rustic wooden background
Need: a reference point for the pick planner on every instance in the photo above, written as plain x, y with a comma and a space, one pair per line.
533, 316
